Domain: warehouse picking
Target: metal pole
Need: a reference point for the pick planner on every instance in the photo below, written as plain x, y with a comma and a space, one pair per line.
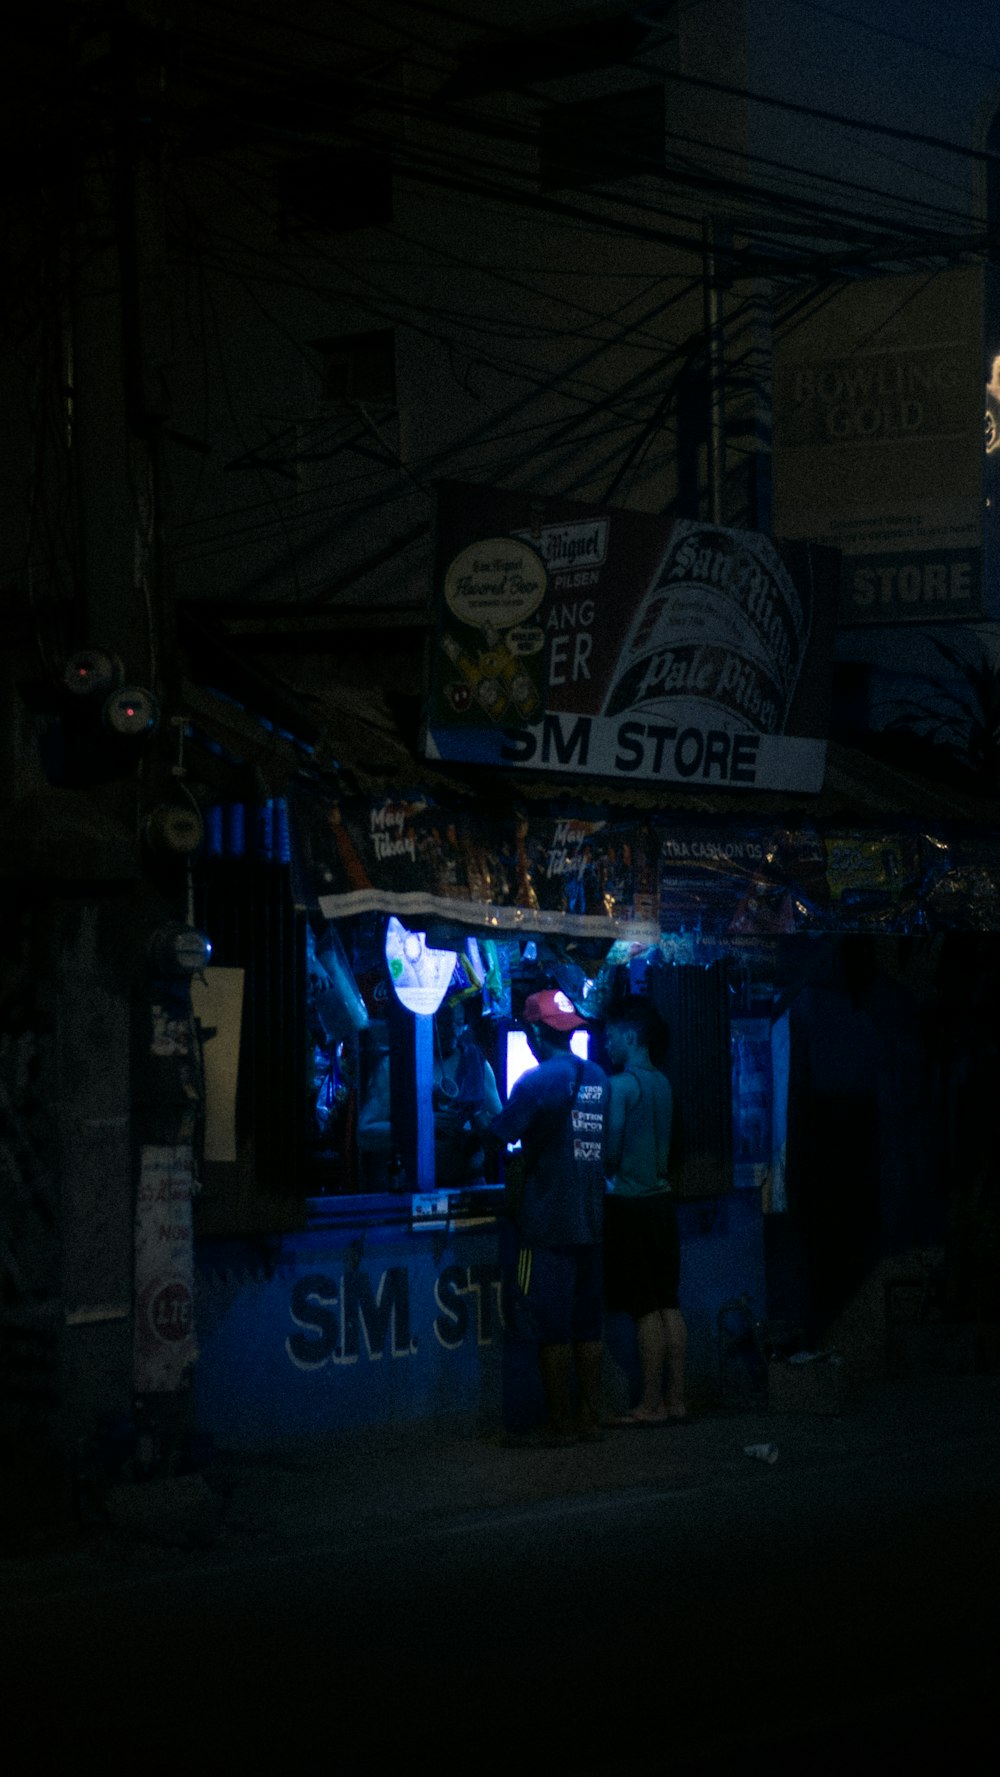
714, 368
424, 1047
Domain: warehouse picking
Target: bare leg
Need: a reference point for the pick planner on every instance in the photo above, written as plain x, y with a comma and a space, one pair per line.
589, 1359
651, 1337
661, 1337
675, 1331
554, 1362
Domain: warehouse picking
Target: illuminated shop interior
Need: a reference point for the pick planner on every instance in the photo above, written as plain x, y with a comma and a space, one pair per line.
383, 1001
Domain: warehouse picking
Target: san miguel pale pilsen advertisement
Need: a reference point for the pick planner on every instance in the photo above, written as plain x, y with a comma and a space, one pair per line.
585, 640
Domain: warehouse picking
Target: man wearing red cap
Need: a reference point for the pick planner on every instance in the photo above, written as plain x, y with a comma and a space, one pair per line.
557, 1112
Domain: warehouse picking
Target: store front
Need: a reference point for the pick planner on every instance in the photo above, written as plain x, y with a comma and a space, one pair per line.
385, 1300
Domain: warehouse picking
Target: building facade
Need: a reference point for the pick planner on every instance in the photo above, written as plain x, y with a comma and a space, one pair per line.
272, 282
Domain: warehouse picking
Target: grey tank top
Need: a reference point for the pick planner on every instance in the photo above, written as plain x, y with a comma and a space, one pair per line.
643, 1169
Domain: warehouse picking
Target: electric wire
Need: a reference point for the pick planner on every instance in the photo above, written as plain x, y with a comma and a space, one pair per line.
817, 113
600, 220
778, 166
555, 441
865, 22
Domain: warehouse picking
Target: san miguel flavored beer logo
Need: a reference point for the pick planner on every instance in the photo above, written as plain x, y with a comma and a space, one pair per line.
722, 630
494, 588
571, 551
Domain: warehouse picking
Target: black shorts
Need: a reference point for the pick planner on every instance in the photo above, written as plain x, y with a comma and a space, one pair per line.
557, 1299
642, 1253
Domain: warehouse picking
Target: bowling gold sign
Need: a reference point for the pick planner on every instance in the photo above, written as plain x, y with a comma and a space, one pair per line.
878, 443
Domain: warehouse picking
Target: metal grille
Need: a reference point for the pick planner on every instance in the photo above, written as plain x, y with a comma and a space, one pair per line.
695, 1003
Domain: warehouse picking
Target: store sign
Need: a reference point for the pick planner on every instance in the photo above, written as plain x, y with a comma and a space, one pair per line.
318, 1342
612, 644
343, 1319
878, 443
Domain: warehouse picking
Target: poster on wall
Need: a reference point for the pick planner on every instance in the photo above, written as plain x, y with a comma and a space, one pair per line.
164, 1348
878, 443
591, 641
217, 1004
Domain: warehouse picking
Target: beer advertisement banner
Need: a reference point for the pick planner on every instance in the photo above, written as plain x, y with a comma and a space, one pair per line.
592, 641
878, 443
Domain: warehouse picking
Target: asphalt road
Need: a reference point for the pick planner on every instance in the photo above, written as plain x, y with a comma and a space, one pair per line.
674, 1607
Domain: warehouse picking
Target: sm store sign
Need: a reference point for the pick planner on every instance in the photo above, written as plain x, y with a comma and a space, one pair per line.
351, 1318
324, 1338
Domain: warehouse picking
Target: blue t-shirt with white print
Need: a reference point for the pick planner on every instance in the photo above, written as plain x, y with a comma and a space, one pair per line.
563, 1203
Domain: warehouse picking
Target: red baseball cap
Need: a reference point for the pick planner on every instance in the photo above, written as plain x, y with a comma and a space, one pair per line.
552, 1007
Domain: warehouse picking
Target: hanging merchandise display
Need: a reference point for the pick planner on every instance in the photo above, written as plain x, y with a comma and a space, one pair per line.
638, 878
411, 855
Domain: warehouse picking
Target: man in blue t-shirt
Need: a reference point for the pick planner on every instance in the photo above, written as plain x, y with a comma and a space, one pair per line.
557, 1112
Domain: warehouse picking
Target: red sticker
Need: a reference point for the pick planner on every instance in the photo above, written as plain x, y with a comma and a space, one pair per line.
169, 1311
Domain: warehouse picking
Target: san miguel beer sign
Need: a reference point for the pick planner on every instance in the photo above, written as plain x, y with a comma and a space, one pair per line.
612, 644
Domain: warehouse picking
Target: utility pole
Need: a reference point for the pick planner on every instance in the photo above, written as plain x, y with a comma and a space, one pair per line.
118, 292
714, 373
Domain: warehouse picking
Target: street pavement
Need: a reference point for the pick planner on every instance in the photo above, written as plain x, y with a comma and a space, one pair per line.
658, 1599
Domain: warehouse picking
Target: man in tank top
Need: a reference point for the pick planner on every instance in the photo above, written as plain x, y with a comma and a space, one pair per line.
641, 1241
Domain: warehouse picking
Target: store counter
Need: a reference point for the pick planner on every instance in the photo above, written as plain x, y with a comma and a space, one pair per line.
383, 1308
390, 1308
